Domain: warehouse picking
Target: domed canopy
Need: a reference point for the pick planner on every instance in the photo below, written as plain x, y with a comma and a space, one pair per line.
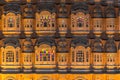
110, 12
11, 42
12, 7
28, 11
97, 46
110, 46
45, 40
80, 41
46, 6
79, 6
97, 12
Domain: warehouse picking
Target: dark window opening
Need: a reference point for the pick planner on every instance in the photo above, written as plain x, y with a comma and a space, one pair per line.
45, 24
79, 24
53, 25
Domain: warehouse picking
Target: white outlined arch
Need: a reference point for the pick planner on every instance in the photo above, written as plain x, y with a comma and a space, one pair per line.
80, 78
45, 78
10, 78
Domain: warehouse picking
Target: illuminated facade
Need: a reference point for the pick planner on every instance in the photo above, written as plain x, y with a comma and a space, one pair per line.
59, 40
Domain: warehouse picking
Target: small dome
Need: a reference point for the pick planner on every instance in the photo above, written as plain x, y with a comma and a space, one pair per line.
104, 36
28, 11
62, 12
97, 12
110, 46
28, 42
110, 12
28, 46
97, 46
116, 37
46, 6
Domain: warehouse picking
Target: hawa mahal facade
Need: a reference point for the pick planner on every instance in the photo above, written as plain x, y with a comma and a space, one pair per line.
59, 40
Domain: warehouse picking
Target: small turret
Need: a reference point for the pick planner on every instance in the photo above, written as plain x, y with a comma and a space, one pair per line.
110, 15
28, 20
62, 19
97, 17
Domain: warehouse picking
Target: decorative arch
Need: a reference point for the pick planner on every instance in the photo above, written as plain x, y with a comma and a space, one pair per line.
80, 78
80, 21
10, 78
80, 51
10, 52
11, 21
45, 20
45, 78
45, 51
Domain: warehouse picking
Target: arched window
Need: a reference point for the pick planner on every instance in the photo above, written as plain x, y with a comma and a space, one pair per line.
3, 59
45, 24
10, 22
10, 56
87, 56
73, 56
80, 22
17, 57
17, 22
46, 20
45, 54
110, 58
87, 20
80, 56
